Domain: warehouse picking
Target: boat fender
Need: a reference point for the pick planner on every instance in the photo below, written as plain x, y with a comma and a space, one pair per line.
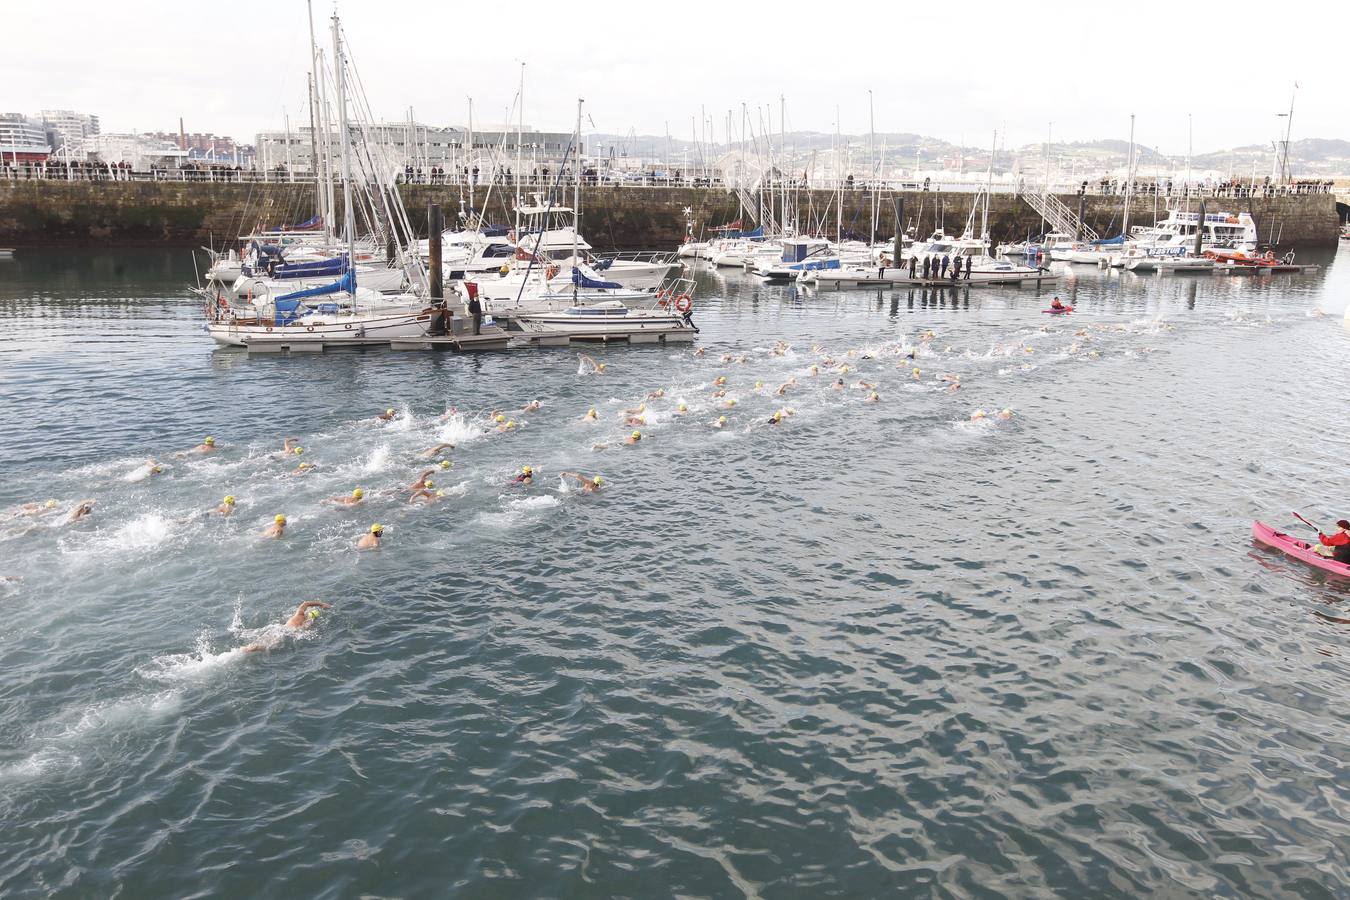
683, 303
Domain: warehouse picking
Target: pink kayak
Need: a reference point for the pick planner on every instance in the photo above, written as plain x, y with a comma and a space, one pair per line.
1058, 312
1300, 550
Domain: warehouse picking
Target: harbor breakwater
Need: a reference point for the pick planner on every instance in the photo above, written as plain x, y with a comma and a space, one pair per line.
41, 213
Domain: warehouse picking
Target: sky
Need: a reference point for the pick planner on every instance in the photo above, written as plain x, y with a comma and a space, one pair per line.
959, 73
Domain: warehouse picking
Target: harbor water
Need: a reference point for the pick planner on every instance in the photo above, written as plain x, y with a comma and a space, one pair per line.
877, 650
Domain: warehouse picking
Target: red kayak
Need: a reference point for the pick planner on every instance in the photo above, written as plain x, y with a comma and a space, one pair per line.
1058, 312
1300, 550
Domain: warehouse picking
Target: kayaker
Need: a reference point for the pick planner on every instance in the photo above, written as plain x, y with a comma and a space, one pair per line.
1336, 546
1056, 304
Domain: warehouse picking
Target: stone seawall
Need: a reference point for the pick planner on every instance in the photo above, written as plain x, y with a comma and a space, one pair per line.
35, 213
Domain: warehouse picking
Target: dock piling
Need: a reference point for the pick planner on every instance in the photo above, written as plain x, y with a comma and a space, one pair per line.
435, 225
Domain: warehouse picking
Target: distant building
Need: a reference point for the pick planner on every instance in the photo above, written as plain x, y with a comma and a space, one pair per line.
424, 146
67, 127
22, 139
139, 150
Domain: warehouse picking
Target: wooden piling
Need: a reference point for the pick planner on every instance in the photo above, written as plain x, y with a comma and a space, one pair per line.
435, 225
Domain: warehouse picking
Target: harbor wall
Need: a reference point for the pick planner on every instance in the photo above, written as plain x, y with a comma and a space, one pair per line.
36, 213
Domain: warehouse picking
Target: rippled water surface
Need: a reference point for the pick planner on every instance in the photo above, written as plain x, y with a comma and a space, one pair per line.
878, 650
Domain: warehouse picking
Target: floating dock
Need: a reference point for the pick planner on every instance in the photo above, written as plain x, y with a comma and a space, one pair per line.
490, 337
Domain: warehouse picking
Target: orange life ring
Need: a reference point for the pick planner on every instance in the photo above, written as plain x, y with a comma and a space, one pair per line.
683, 303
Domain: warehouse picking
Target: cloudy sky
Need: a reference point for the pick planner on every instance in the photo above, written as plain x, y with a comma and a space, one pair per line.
953, 71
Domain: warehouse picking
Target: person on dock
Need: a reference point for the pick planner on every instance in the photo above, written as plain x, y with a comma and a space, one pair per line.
524, 476
969, 260
277, 528
588, 485
352, 499
913, 262
371, 539
433, 452
946, 261
303, 617
84, 508
476, 310
927, 267
1336, 546
227, 507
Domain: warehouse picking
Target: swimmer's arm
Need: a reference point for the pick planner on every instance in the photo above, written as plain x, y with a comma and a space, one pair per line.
309, 603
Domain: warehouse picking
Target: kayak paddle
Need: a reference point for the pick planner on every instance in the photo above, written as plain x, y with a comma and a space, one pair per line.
1306, 522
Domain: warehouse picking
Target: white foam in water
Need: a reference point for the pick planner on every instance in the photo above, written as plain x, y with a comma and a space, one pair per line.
199, 665
458, 431
145, 532
140, 473
377, 461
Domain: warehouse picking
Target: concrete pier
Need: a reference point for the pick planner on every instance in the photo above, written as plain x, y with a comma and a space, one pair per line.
192, 214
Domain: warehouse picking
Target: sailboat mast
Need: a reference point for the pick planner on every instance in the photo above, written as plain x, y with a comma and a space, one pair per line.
520, 137
576, 189
349, 220
872, 161
323, 186
1129, 182
988, 189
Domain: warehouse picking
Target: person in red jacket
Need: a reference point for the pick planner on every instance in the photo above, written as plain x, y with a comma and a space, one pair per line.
1337, 545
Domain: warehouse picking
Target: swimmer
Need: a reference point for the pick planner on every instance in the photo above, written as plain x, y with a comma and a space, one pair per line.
590, 415
36, 509
729, 402
657, 394
838, 384
720, 422
780, 348
530, 407
303, 469
721, 393
863, 386
449, 414
153, 468
979, 415
759, 385
506, 426
633, 438
597, 368
1004, 415
445, 464
720, 380
370, 540
303, 617
387, 416
84, 508
681, 409
783, 388
227, 507
776, 418
589, 485
916, 373
351, 499
526, 476
637, 411
421, 481
428, 494
291, 445
699, 351
432, 452
208, 445
726, 357
872, 397
741, 359
636, 420
813, 371
277, 528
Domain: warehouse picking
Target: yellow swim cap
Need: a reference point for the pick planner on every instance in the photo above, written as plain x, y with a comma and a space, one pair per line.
642, 407
526, 470
389, 412
445, 464
313, 613
916, 373
637, 435
731, 402
280, 519
511, 423
602, 367
683, 408
229, 499
299, 450
440, 493
358, 494
50, 504
758, 385
590, 413
500, 418
210, 441
596, 480
428, 483
376, 528
303, 466
157, 469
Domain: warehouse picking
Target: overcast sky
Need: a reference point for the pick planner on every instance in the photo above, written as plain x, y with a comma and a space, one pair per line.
952, 71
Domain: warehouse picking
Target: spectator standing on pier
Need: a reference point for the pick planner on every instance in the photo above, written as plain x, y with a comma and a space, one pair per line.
927, 267
476, 310
946, 261
912, 263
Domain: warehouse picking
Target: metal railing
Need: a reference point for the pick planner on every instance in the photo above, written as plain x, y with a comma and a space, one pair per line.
748, 193
1059, 216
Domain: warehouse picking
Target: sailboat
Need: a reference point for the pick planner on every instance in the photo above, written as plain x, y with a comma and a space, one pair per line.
339, 312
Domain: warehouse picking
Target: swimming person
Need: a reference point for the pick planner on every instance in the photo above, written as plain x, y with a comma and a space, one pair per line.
526, 476
35, 509
433, 451
1336, 546
303, 469
208, 445
424, 492
303, 617
352, 499
590, 415
388, 416
634, 438
287, 449
657, 394
277, 528
421, 481
371, 539
530, 407
84, 508
597, 368
589, 485
226, 507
